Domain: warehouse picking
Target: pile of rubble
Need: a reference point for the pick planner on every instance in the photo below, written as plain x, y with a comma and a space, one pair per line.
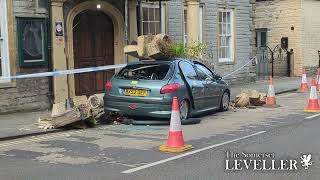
79, 111
249, 98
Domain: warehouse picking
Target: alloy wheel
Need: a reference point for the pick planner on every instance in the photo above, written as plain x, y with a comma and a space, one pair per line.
184, 110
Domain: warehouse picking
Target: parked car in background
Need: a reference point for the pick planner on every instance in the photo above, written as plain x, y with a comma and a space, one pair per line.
146, 89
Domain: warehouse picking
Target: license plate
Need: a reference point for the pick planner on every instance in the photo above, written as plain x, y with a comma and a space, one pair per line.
135, 92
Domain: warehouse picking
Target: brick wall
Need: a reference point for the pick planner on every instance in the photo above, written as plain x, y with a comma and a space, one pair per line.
311, 35
278, 17
29, 94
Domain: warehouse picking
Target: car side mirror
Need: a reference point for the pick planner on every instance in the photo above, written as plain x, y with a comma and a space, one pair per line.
219, 78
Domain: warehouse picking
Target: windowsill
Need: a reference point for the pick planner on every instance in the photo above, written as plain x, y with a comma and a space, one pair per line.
9, 84
226, 62
41, 10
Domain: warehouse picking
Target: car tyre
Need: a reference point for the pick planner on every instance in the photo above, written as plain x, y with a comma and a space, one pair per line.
184, 110
225, 101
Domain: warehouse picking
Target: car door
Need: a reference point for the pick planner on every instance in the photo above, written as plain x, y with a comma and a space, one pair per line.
195, 85
212, 88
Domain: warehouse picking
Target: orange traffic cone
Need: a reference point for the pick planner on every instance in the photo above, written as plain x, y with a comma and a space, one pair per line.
175, 141
271, 96
304, 87
318, 80
313, 105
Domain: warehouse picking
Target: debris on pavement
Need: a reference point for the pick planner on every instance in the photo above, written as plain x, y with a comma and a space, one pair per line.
249, 98
66, 118
77, 112
96, 101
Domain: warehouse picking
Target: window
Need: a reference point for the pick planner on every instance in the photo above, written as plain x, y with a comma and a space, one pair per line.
32, 41
145, 71
153, 22
261, 38
226, 35
200, 25
203, 72
4, 50
42, 3
188, 71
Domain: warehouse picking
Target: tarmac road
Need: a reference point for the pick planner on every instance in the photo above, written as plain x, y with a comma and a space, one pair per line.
288, 142
106, 152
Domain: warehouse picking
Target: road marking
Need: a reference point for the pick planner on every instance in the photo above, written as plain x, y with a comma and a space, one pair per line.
188, 154
274, 125
252, 126
231, 134
310, 117
39, 138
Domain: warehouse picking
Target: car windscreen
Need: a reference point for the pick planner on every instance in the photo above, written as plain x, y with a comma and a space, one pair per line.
144, 71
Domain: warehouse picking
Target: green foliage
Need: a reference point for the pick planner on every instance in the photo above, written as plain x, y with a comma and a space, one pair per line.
194, 51
178, 50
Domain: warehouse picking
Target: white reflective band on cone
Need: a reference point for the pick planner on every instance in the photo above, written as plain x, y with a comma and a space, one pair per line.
271, 91
304, 78
313, 93
175, 122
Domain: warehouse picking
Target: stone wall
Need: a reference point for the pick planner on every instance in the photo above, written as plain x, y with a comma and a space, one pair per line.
68, 5
311, 35
243, 35
175, 19
282, 18
28, 94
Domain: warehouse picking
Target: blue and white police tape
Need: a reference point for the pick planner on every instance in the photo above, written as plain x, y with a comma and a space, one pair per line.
64, 72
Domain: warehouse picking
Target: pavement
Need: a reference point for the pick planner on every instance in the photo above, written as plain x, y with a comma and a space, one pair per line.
17, 125
108, 151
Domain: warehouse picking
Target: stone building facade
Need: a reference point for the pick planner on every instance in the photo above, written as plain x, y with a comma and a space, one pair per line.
241, 32
23, 94
296, 19
86, 33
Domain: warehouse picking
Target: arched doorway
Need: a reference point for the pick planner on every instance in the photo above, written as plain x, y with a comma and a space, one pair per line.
93, 45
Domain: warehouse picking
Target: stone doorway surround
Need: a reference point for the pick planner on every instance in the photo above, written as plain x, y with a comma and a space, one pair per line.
62, 51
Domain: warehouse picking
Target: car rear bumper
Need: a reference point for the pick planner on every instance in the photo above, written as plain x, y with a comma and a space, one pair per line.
154, 108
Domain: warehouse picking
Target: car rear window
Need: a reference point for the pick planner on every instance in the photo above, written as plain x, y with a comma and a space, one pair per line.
144, 71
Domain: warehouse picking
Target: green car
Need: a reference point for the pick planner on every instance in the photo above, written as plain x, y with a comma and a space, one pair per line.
145, 89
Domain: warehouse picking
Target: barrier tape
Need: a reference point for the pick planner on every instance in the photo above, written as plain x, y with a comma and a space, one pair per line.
64, 72
91, 69
247, 63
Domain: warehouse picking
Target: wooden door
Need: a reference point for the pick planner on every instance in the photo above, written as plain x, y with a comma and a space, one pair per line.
93, 42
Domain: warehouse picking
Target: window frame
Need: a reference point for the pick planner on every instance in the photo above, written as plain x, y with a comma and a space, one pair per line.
162, 18
231, 47
34, 63
4, 43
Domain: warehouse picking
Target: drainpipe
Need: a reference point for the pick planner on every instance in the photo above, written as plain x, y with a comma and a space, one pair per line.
50, 66
126, 26
139, 17
160, 14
